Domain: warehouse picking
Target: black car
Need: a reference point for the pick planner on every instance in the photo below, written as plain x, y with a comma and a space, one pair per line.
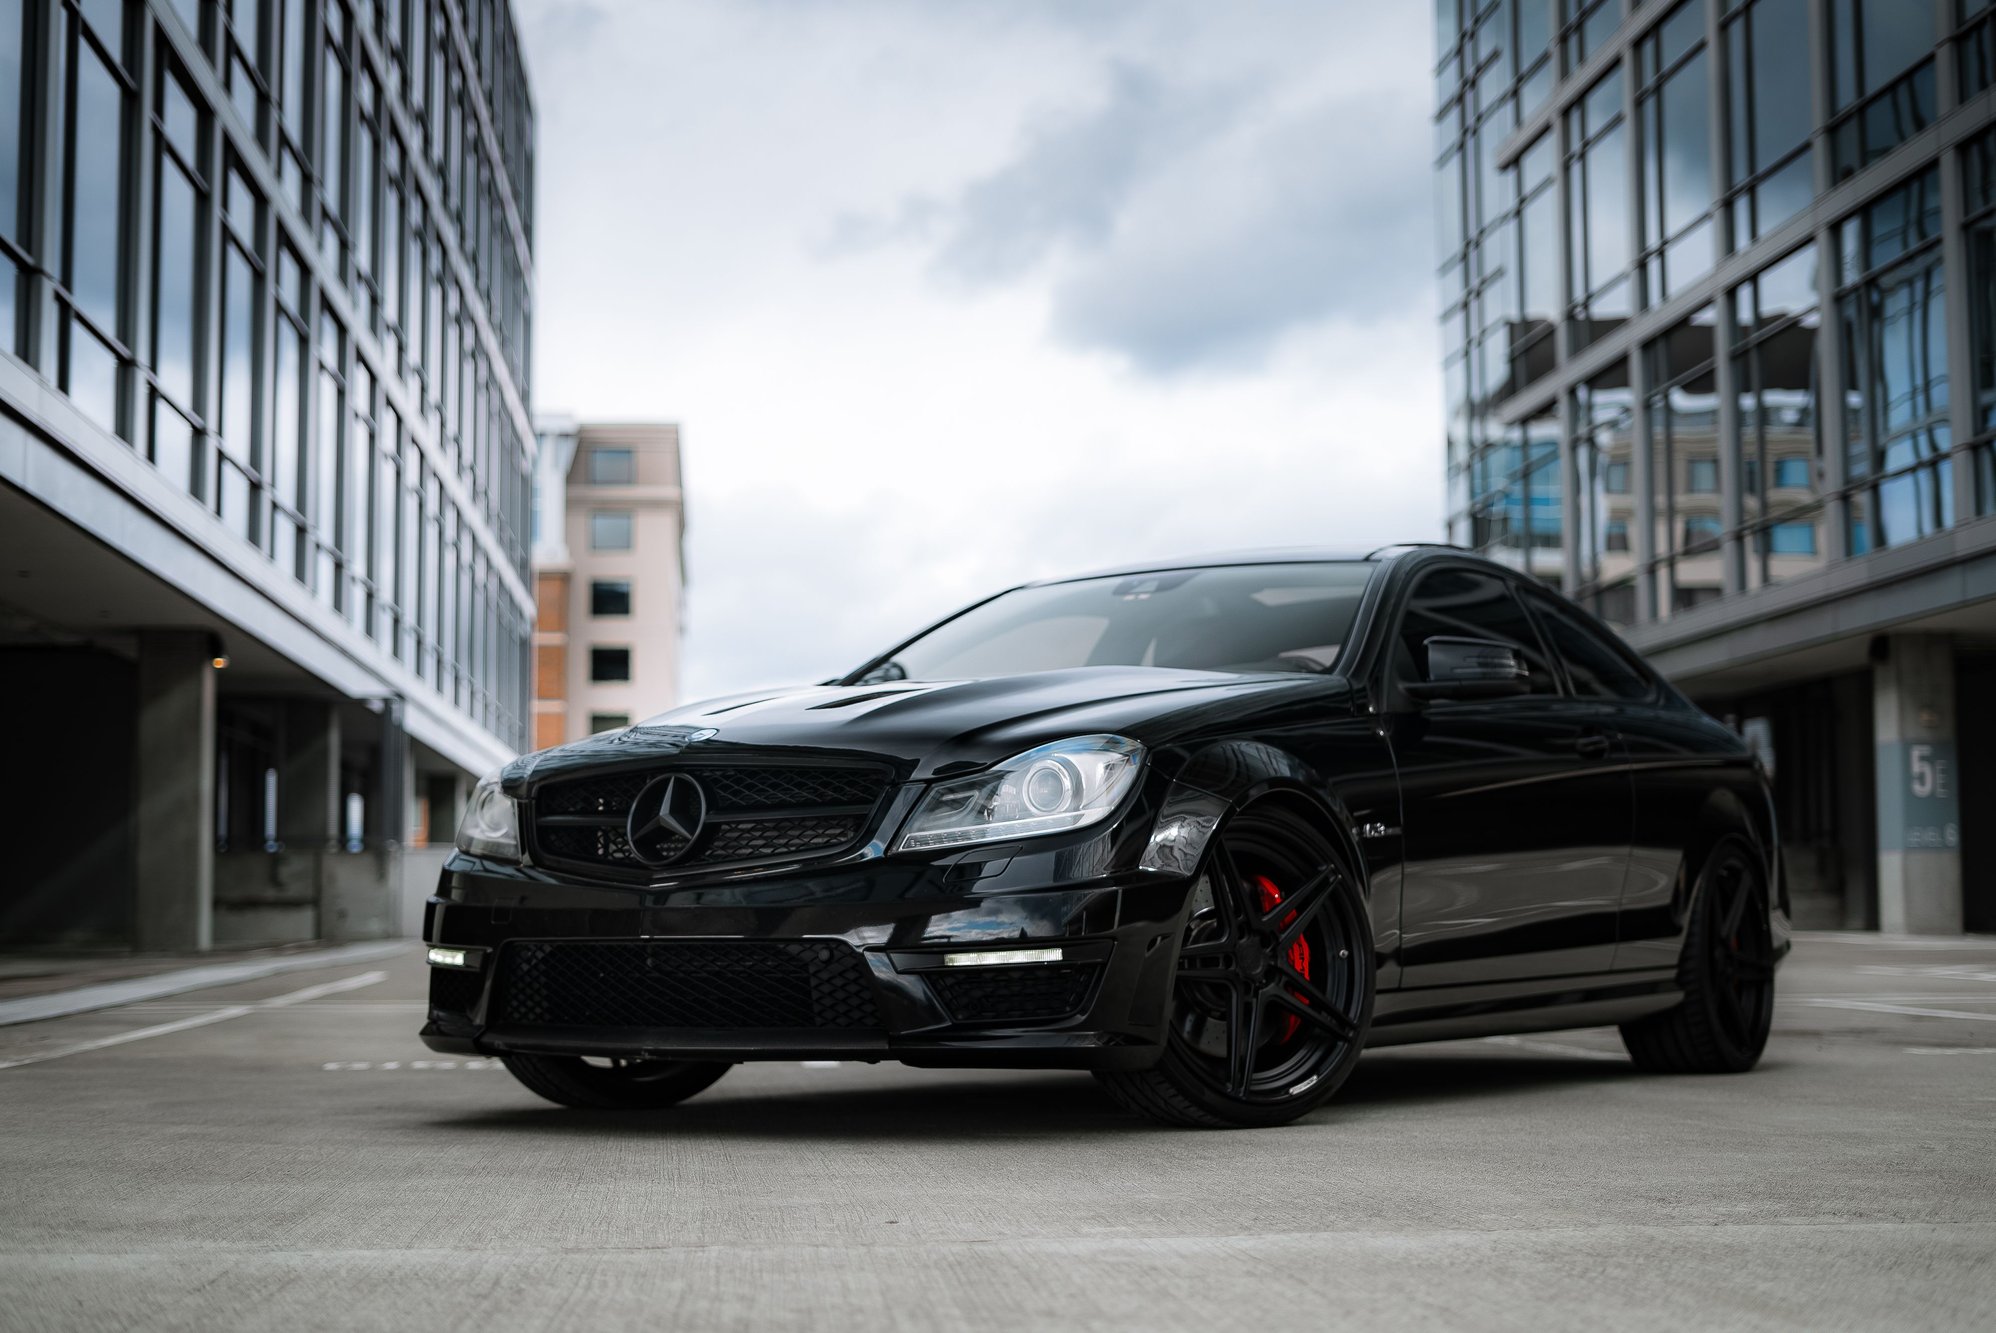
1206, 828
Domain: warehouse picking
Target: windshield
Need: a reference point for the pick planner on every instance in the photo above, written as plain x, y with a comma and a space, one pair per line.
1242, 618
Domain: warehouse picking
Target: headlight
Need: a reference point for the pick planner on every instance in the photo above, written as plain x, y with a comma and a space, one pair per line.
1067, 785
491, 825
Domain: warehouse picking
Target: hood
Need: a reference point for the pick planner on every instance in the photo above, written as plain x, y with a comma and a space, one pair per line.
927, 728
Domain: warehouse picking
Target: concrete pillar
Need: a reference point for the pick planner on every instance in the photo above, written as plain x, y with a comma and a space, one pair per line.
308, 776
175, 822
1919, 814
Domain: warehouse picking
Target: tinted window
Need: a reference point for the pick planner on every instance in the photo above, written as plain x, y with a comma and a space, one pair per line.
610, 597
1243, 618
608, 664
1467, 604
1597, 668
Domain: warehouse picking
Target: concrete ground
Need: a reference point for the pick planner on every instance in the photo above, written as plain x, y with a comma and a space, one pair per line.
283, 1153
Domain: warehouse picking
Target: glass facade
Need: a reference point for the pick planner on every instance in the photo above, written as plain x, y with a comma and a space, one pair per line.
285, 256
1663, 259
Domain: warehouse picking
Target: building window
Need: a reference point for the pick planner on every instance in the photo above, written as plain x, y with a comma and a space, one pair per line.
1674, 110
1892, 307
1975, 46
610, 530
609, 664
1684, 437
1881, 79
1776, 323
610, 597
93, 314
602, 722
1701, 476
1701, 533
1978, 158
1586, 25
1602, 413
1792, 539
1770, 172
612, 467
1598, 223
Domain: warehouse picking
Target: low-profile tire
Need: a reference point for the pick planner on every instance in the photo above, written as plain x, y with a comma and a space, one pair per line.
1726, 972
1274, 982
613, 1085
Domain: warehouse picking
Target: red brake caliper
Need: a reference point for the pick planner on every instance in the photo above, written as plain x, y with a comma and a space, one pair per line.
1299, 952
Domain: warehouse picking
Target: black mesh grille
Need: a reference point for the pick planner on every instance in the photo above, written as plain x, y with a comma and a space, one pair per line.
1004, 994
752, 814
454, 992
685, 984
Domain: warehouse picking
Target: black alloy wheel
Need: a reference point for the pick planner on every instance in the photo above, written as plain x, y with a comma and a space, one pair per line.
1727, 973
613, 1084
1274, 985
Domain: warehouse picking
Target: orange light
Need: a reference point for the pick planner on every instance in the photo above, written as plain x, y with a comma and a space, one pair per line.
219, 662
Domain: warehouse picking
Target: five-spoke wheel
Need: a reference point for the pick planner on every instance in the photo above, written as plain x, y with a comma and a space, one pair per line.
1727, 973
1274, 981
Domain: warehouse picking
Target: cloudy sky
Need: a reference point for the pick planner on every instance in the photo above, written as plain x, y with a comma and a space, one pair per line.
948, 294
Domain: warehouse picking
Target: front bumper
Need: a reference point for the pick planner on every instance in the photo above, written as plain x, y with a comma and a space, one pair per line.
1106, 1008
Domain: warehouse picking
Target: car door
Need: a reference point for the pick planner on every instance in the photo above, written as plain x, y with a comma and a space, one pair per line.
1677, 761
1517, 810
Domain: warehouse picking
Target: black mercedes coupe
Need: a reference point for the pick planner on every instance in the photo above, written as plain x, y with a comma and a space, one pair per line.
1206, 828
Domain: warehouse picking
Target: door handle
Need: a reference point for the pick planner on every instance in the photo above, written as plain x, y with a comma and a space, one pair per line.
1594, 745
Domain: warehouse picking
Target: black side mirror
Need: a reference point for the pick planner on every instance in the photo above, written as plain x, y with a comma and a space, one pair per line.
1460, 668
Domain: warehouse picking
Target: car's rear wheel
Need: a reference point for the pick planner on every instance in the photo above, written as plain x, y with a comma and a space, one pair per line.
1727, 973
1274, 985
613, 1085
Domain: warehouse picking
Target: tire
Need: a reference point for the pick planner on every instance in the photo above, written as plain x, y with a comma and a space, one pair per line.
618, 1085
1273, 985
1726, 972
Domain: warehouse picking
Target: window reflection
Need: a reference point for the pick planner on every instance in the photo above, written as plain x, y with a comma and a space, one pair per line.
1602, 413
1776, 323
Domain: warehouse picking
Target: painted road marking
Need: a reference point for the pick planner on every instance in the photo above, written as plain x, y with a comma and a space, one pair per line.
1951, 1050
1879, 1007
1557, 1048
358, 1066
130, 990
1937, 971
221, 1015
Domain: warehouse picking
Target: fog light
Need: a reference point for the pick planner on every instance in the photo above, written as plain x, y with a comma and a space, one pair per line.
1001, 957
450, 958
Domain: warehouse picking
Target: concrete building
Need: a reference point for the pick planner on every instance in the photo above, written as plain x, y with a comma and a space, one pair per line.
1720, 358
609, 576
266, 280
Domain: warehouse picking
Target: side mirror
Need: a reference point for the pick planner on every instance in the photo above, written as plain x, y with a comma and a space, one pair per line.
1460, 668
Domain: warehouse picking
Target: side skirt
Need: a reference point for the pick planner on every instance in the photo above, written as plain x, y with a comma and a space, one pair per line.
1445, 1013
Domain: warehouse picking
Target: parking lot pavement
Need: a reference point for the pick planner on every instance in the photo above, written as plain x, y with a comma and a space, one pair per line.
284, 1153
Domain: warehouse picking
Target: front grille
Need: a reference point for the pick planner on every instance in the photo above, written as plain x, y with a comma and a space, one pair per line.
753, 814
454, 993
1015, 994
727, 984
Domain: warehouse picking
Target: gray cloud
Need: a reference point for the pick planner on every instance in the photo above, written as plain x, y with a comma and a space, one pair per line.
1188, 226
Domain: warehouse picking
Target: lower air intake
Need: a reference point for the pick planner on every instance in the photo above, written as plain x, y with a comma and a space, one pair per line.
709, 984
1015, 994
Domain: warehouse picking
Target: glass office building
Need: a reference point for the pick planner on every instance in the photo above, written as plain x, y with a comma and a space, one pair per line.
1719, 281
266, 274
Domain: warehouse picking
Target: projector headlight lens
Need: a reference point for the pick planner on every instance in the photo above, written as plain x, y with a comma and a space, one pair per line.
1069, 784
491, 824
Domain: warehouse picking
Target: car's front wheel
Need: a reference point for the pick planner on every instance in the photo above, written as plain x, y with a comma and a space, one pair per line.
1274, 986
613, 1085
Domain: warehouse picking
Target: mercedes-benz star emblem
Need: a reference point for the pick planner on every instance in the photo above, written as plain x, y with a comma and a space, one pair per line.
666, 818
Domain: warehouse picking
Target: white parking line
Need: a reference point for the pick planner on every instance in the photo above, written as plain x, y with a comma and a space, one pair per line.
1879, 1007
1951, 1050
361, 1066
221, 1015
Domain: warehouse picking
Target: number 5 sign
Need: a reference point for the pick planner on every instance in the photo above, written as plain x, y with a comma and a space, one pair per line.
1919, 811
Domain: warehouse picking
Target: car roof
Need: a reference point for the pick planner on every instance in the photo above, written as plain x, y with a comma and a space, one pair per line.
1280, 555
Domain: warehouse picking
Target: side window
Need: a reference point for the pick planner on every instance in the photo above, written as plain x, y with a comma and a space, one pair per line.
1465, 602
1597, 668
